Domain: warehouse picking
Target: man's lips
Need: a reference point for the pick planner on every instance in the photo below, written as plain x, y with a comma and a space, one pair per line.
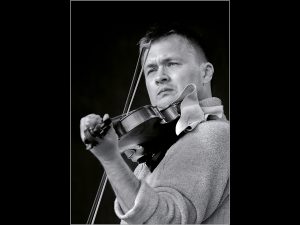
163, 90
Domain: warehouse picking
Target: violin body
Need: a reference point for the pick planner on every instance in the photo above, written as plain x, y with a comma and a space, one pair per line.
142, 126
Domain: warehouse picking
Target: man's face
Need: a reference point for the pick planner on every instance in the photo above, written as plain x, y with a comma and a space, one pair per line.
172, 63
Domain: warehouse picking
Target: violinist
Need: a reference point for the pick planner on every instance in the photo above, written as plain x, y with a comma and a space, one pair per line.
189, 182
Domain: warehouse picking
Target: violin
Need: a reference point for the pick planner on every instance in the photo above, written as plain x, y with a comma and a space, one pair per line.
140, 127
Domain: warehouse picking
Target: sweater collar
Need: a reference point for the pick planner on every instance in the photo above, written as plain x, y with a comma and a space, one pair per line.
194, 111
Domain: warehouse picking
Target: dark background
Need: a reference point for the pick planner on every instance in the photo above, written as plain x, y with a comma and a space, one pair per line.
104, 51
36, 102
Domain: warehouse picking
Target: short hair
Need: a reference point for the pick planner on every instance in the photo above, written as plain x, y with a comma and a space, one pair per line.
158, 31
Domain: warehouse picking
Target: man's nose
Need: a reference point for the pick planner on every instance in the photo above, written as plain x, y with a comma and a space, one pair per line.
161, 76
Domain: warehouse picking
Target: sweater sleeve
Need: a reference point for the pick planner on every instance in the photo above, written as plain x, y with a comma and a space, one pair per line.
188, 185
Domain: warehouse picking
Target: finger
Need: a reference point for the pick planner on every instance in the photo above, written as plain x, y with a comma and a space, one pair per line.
134, 152
129, 153
92, 120
82, 128
105, 117
89, 147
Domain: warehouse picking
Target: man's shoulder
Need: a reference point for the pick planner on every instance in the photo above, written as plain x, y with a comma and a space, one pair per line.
206, 134
209, 141
213, 128
209, 135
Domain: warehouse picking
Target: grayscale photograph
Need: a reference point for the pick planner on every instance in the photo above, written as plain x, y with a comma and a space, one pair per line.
150, 112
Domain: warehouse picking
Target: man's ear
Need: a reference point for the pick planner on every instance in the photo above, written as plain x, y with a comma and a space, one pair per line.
207, 72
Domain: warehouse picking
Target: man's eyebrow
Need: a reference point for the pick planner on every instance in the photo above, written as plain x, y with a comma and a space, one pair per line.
151, 65
164, 60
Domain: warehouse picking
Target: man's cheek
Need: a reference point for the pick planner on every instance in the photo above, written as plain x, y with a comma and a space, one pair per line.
152, 98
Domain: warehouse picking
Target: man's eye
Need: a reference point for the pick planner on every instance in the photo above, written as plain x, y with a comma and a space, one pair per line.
150, 71
172, 64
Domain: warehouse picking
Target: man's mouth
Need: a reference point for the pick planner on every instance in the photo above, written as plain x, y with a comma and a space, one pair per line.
164, 90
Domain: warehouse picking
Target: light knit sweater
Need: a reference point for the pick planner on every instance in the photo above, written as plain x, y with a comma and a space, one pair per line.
191, 183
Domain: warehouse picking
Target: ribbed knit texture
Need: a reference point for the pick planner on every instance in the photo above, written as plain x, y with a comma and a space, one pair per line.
191, 183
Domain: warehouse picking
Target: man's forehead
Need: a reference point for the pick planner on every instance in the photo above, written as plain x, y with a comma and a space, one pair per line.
171, 46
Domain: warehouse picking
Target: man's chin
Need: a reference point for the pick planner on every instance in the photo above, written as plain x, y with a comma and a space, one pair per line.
165, 102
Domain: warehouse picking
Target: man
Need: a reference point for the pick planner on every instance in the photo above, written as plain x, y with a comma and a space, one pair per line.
190, 184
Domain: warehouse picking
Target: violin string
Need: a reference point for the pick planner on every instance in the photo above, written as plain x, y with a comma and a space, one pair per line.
137, 83
97, 200
132, 83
